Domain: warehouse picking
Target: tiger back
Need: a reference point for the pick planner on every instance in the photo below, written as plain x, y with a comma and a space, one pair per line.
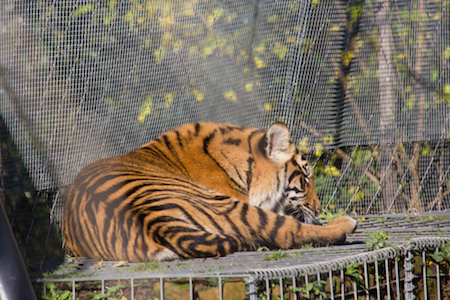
200, 190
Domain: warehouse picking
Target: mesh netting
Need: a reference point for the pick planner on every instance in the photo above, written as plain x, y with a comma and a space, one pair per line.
363, 86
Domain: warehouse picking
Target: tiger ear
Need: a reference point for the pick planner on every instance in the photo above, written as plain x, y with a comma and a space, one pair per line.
279, 148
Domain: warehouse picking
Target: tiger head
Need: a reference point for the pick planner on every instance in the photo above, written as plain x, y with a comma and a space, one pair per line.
301, 200
295, 194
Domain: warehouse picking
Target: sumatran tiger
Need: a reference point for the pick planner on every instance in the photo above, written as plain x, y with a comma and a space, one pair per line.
200, 190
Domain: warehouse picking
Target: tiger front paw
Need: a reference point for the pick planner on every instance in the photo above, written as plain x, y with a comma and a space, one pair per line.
346, 224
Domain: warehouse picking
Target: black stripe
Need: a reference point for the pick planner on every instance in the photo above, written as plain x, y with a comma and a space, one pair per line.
249, 172
174, 153
206, 142
262, 145
197, 128
278, 224
294, 174
230, 141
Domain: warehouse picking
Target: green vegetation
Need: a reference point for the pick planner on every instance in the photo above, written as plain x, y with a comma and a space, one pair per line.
441, 254
377, 240
152, 265
316, 288
276, 255
54, 294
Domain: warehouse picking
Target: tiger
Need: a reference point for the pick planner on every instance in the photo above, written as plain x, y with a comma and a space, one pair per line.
200, 190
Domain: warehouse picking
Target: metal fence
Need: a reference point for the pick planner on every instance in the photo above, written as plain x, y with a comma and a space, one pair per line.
363, 85
389, 257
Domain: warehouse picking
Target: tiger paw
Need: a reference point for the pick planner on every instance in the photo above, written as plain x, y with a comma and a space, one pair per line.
347, 224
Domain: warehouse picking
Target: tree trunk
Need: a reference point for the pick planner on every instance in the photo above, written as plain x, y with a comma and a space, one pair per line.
388, 178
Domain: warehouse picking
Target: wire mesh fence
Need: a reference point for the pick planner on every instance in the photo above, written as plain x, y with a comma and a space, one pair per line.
363, 85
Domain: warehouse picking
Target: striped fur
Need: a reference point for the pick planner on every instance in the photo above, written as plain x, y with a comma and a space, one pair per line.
200, 190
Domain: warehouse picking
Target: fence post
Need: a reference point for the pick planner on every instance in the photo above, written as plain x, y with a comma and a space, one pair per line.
14, 280
409, 276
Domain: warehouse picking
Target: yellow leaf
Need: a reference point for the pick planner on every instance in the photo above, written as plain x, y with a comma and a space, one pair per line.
83, 9
230, 95
188, 9
347, 57
217, 13
318, 148
177, 45
120, 263
267, 106
331, 206
303, 146
166, 37
447, 89
331, 170
231, 17
259, 48
169, 100
166, 21
100, 263
259, 63
280, 50
335, 28
146, 109
159, 54
130, 18
249, 86
198, 95
328, 139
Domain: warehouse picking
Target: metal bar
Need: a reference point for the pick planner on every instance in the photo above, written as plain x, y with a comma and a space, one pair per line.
220, 288
294, 285
318, 281
306, 283
74, 290
267, 288
103, 287
331, 284
251, 288
191, 289
424, 274
161, 290
342, 285
388, 284
409, 285
366, 280
397, 277
438, 278
281, 288
132, 288
377, 280
14, 280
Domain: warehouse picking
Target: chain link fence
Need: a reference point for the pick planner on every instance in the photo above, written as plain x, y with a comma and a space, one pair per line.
363, 85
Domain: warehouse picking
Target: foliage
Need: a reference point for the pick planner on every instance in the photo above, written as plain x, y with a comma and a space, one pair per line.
109, 295
54, 294
441, 254
316, 287
328, 215
148, 265
353, 272
377, 240
276, 255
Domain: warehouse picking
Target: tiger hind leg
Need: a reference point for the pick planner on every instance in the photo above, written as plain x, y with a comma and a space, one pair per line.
187, 241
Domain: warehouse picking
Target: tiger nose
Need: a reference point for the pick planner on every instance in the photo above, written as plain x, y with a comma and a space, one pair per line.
318, 211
